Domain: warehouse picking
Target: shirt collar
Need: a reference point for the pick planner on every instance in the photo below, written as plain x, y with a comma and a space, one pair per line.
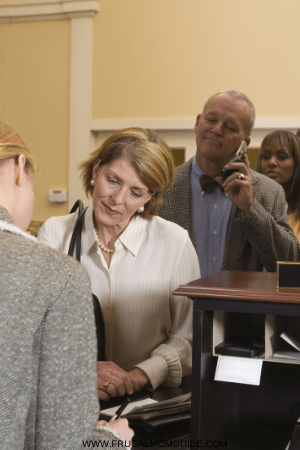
7, 224
196, 173
132, 237
196, 169
88, 236
4, 215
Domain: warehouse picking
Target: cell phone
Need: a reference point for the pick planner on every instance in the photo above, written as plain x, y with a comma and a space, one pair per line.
239, 157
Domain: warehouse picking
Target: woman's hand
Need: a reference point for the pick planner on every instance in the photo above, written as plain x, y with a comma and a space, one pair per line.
113, 381
140, 377
121, 426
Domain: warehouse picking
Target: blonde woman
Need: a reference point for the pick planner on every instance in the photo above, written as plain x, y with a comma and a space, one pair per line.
47, 337
135, 260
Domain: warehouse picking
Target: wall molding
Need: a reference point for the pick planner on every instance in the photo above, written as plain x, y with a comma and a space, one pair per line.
44, 10
154, 124
180, 132
276, 122
80, 135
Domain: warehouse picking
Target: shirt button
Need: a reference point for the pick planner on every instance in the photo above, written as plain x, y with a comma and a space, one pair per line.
214, 258
215, 232
215, 206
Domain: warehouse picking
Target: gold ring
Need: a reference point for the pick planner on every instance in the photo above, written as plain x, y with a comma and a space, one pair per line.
105, 386
241, 176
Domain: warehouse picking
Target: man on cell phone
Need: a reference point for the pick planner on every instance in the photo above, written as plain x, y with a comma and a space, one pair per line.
236, 221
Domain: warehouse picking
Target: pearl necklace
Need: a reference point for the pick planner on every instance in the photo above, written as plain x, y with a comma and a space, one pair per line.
105, 249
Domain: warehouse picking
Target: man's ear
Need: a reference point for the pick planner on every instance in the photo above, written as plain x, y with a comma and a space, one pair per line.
197, 122
247, 140
20, 169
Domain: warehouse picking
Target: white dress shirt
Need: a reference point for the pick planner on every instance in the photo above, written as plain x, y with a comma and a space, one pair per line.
146, 326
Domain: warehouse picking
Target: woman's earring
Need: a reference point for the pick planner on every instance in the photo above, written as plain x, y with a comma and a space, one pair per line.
92, 182
141, 209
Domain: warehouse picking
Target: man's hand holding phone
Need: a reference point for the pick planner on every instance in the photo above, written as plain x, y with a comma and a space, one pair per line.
238, 181
239, 157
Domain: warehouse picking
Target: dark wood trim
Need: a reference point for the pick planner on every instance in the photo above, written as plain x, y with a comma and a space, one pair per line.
238, 285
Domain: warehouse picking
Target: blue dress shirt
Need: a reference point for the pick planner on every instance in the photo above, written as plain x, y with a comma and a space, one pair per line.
210, 216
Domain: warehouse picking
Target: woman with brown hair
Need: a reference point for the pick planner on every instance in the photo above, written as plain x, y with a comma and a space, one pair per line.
135, 260
279, 159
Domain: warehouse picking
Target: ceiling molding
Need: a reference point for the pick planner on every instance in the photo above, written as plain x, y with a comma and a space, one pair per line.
45, 10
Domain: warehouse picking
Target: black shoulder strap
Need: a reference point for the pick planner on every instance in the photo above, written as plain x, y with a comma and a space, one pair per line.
76, 235
76, 242
77, 204
100, 329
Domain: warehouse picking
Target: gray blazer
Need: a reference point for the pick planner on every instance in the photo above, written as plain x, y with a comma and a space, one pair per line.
254, 240
47, 348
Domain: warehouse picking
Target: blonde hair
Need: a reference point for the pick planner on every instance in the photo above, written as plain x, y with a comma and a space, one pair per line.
146, 152
12, 146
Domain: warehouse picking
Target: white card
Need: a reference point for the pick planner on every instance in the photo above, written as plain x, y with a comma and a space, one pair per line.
292, 341
111, 411
238, 370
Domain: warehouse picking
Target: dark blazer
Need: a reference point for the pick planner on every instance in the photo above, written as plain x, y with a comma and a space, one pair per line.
254, 240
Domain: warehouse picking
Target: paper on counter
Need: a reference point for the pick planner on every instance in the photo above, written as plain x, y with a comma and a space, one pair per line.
292, 341
111, 411
239, 370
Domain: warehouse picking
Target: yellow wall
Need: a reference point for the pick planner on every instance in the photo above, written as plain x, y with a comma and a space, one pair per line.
19, 1
34, 92
151, 59
163, 58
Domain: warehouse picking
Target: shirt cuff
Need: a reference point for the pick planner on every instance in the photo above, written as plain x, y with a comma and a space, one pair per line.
163, 367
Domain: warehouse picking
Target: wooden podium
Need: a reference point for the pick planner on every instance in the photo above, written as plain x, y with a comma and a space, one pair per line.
230, 305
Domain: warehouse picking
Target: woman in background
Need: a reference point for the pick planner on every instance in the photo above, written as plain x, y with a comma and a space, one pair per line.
279, 159
47, 335
135, 260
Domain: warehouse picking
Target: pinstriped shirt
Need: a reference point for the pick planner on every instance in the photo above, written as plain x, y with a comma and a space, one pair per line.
146, 325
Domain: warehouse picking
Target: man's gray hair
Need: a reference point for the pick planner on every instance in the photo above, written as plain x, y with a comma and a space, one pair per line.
243, 96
